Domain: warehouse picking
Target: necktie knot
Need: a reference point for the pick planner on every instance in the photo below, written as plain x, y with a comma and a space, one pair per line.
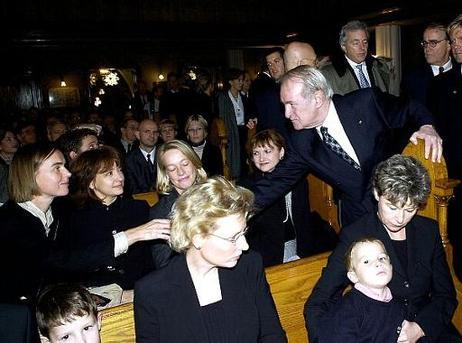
441, 70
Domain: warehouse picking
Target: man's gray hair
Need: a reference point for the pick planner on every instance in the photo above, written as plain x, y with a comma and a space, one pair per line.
353, 25
311, 78
456, 23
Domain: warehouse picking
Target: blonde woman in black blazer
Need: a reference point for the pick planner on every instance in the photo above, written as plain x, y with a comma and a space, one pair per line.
213, 291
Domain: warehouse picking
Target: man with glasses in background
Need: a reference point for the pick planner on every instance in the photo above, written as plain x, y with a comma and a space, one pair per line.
436, 49
356, 68
445, 101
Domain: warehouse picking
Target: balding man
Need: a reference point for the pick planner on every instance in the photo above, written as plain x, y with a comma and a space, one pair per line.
141, 162
298, 54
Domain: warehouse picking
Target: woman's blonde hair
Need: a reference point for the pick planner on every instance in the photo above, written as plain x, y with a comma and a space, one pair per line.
22, 185
197, 210
164, 186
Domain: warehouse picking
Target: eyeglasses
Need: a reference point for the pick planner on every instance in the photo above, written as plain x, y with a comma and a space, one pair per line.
233, 239
431, 43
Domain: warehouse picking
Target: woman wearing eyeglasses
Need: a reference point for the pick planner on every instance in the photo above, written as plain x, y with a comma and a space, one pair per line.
213, 291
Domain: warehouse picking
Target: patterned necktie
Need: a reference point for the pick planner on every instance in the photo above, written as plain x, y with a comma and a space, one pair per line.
335, 147
362, 78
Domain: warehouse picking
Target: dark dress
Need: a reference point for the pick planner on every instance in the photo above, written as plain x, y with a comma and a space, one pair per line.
95, 222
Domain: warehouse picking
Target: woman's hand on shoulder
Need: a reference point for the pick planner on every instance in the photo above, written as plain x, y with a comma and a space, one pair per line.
154, 229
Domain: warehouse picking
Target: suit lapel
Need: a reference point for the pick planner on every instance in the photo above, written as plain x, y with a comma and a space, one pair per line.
352, 123
185, 298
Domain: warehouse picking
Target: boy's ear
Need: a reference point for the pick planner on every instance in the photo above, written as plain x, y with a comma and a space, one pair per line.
99, 319
352, 276
376, 195
43, 339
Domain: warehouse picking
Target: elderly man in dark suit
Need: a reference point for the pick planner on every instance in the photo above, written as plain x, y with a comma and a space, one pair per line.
141, 162
358, 126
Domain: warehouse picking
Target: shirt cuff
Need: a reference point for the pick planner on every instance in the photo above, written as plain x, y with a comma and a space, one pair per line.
120, 243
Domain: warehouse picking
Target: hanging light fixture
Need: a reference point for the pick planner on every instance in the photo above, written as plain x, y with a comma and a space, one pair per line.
63, 83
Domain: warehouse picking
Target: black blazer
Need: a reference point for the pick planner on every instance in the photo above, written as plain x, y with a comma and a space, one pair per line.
425, 288
167, 308
139, 176
445, 101
96, 222
368, 117
29, 259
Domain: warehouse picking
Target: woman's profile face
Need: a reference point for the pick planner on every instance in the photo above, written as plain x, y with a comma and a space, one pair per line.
196, 132
180, 170
109, 184
395, 217
224, 245
267, 157
52, 177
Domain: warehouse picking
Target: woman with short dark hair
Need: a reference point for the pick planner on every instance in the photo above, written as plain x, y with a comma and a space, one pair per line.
421, 278
104, 213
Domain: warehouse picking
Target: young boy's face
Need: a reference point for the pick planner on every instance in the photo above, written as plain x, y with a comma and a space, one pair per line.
83, 329
371, 265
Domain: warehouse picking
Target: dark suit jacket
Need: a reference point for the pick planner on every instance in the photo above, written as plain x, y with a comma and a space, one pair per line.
167, 308
139, 176
212, 160
368, 117
29, 259
445, 101
265, 99
425, 288
416, 82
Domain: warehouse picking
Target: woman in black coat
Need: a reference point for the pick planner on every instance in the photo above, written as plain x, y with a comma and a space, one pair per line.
178, 168
212, 291
102, 213
196, 133
285, 231
421, 278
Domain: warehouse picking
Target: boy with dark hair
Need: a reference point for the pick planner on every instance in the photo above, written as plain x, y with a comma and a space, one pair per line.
68, 312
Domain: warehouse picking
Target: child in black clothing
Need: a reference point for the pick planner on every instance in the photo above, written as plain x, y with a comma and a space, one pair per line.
368, 313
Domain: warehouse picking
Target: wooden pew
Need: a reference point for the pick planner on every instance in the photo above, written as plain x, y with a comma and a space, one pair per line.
292, 283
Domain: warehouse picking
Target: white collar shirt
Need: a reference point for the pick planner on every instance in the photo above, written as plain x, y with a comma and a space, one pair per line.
45, 217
